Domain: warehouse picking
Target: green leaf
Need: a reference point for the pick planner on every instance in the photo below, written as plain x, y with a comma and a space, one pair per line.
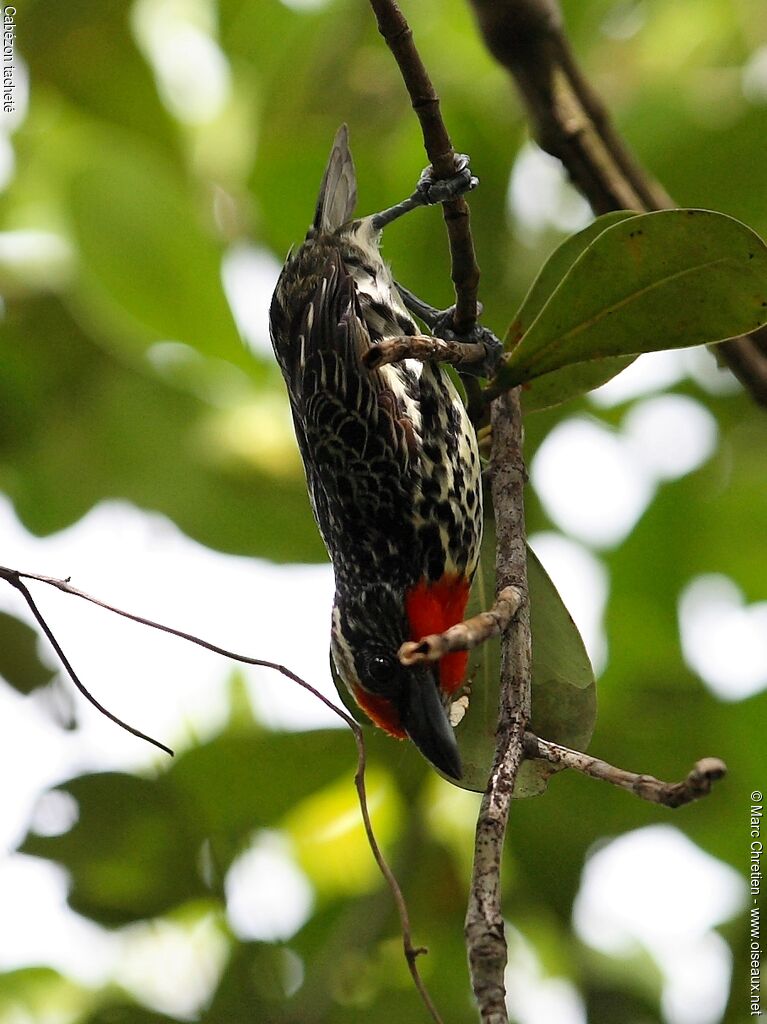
87, 53
78, 424
563, 687
656, 281
128, 1013
40, 993
20, 664
132, 852
555, 388
239, 782
148, 256
554, 270
257, 979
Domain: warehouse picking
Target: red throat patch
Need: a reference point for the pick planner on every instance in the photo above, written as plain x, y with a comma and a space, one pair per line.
380, 711
433, 608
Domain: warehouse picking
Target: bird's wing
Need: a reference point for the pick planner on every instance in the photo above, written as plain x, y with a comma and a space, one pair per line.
354, 434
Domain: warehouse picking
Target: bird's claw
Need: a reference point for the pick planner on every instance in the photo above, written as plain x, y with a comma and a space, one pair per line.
444, 189
443, 328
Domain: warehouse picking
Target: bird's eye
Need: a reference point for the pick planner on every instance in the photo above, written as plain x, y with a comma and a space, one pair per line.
379, 669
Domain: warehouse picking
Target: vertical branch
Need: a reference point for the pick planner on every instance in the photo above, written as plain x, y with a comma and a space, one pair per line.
484, 928
439, 149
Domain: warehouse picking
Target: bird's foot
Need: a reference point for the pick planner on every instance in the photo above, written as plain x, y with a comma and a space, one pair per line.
443, 327
444, 189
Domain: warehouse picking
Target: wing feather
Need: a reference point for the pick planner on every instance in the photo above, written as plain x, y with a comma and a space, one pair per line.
353, 438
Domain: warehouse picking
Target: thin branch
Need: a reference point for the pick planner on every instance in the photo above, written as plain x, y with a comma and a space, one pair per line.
425, 349
439, 149
15, 577
484, 928
464, 636
572, 123
411, 952
697, 784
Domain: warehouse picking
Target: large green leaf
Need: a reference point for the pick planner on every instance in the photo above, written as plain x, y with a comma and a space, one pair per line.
554, 270
563, 687
656, 281
20, 663
78, 424
556, 387
40, 994
147, 254
141, 847
132, 852
86, 52
224, 781
128, 1013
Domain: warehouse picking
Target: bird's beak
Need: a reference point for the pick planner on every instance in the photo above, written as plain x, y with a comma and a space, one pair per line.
425, 720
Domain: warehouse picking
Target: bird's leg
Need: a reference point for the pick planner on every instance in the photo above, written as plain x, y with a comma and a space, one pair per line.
440, 323
428, 192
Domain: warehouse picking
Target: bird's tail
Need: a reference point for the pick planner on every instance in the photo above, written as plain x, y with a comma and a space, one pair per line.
338, 191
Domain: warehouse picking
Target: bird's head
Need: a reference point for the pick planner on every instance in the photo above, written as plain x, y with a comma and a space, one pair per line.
369, 626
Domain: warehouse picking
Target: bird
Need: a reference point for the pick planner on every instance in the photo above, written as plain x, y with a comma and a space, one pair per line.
391, 460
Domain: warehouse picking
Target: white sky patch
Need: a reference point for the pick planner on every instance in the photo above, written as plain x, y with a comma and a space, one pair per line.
651, 372
582, 581
192, 72
268, 897
55, 813
305, 5
172, 967
703, 369
39, 927
590, 482
540, 198
173, 690
249, 274
39, 259
656, 888
531, 996
624, 19
723, 640
672, 434
656, 371
754, 76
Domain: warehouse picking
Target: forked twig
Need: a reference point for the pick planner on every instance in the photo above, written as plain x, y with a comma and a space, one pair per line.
15, 578
697, 784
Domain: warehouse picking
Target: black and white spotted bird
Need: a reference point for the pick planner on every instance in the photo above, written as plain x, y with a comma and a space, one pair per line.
390, 456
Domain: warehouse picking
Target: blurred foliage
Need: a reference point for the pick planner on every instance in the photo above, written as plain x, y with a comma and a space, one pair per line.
123, 376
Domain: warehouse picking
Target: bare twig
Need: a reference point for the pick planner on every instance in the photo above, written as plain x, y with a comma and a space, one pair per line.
698, 783
571, 122
439, 149
484, 929
424, 348
464, 636
15, 578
